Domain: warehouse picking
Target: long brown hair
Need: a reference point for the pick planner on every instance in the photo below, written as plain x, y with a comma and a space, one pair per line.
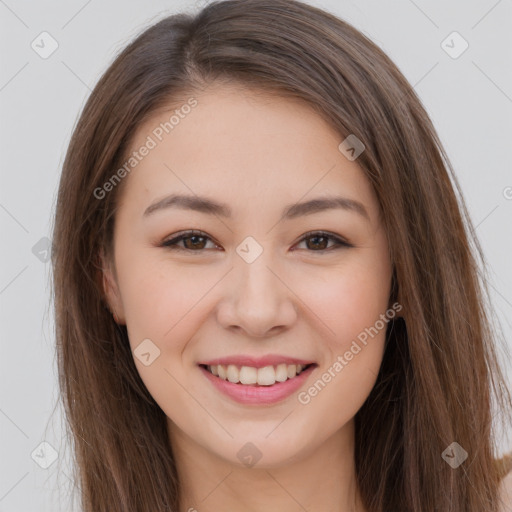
440, 371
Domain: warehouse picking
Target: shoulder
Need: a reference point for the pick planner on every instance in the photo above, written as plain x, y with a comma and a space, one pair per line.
506, 482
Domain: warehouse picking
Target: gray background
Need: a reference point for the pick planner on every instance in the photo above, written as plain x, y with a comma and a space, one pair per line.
469, 99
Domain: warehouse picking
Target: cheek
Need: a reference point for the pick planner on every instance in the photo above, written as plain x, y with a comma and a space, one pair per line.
349, 301
353, 305
164, 309
159, 300
353, 308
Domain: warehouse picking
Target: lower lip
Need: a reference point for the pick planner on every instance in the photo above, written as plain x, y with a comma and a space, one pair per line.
259, 395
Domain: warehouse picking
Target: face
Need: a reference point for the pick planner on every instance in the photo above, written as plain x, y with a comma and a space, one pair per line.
288, 296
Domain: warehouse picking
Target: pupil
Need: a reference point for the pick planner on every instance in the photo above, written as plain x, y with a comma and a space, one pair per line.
195, 237
319, 237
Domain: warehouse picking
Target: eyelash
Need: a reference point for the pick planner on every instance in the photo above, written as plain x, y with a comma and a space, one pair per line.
172, 243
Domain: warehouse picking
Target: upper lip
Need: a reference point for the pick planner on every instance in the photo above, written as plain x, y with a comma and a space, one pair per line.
255, 362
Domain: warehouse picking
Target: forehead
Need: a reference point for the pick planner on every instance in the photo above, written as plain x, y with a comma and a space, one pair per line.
243, 147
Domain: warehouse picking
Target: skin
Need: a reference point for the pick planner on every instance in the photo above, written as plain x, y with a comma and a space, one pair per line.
506, 493
257, 153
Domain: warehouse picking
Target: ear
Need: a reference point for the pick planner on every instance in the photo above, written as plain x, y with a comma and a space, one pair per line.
110, 290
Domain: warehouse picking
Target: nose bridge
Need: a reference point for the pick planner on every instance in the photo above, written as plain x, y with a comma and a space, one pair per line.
255, 279
258, 286
259, 301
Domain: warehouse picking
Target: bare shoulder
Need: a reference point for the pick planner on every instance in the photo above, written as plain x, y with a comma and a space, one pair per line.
506, 493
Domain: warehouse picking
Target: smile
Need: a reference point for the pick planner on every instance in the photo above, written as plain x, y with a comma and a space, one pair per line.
250, 375
257, 382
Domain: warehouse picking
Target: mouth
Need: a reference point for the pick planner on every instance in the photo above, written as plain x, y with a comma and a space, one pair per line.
252, 376
257, 385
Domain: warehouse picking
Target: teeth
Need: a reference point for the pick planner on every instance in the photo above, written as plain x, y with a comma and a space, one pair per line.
221, 371
281, 372
266, 376
248, 375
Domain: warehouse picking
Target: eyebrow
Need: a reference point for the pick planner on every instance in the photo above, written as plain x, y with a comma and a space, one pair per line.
292, 211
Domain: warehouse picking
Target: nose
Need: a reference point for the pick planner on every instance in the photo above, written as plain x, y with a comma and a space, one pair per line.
256, 299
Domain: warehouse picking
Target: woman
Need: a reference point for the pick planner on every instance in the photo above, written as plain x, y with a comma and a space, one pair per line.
296, 318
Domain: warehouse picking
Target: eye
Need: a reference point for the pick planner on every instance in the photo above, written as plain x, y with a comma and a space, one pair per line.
320, 241
195, 241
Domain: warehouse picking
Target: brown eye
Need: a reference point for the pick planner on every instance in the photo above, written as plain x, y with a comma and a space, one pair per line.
192, 241
318, 241
196, 241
